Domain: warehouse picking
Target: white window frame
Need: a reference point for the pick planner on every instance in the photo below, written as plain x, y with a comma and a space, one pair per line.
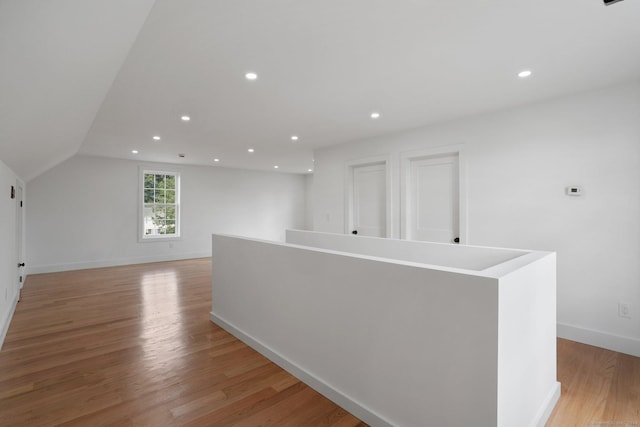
142, 237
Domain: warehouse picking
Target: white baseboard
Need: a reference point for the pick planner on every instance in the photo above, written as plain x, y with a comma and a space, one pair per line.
7, 321
343, 400
336, 396
617, 343
54, 268
547, 406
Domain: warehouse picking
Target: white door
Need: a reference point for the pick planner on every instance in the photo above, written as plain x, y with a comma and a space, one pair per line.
19, 234
369, 200
432, 199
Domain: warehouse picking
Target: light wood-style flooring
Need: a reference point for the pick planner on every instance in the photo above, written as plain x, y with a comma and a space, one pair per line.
133, 346
600, 388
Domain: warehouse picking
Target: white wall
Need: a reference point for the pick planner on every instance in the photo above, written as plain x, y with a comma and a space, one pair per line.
378, 335
473, 258
8, 249
308, 207
83, 213
518, 163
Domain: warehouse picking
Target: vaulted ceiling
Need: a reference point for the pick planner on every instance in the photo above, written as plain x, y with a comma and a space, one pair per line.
103, 77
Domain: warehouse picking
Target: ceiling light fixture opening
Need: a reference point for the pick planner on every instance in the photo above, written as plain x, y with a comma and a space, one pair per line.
294, 137
216, 160
251, 150
185, 118
134, 151
251, 76
156, 138
375, 115
525, 73
276, 167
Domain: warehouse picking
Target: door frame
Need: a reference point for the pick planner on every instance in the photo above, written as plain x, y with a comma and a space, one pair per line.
349, 184
20, 236
405, 171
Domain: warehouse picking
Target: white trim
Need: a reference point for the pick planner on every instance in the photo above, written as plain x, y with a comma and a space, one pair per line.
612, 342
368, 161
547, 406
7, 321
405, 169
331, 393
20, 233
54, 268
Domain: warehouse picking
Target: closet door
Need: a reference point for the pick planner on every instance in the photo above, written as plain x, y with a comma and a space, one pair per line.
369, 200
432, 199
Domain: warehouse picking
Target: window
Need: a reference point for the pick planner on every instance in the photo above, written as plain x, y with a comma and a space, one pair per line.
160, 204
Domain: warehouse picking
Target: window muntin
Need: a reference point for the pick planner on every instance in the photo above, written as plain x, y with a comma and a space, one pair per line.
160, 204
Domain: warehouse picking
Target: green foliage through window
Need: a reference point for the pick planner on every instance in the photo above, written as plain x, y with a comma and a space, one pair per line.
160, 204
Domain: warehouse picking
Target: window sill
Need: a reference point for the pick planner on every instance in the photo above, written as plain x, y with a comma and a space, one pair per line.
159, 239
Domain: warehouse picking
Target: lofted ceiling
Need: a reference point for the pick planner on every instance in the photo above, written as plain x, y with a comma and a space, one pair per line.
102, 77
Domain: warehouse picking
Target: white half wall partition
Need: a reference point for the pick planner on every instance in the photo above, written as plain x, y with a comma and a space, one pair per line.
398, 333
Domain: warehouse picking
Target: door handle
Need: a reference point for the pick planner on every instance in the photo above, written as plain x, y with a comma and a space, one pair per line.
21, 264
354, 232
456, 240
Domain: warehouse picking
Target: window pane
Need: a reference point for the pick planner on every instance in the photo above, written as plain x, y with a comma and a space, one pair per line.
171, 227
159, 181
159, 196
170, 181
159, 213
171, 212
148, 180
170, 196
148, 219
148, 196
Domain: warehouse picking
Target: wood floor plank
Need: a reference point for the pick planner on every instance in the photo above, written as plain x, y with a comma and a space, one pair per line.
599, 387
277, 413
624, 405
133, 346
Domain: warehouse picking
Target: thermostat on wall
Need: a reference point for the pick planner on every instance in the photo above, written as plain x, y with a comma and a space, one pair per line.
574, 191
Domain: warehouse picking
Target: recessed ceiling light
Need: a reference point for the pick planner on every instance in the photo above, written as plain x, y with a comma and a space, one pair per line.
251, 76
276, 167
294, 137
185, 118
309, 170
375, 115
216, 160
156, 138
524, 73
134, 151
251, 150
